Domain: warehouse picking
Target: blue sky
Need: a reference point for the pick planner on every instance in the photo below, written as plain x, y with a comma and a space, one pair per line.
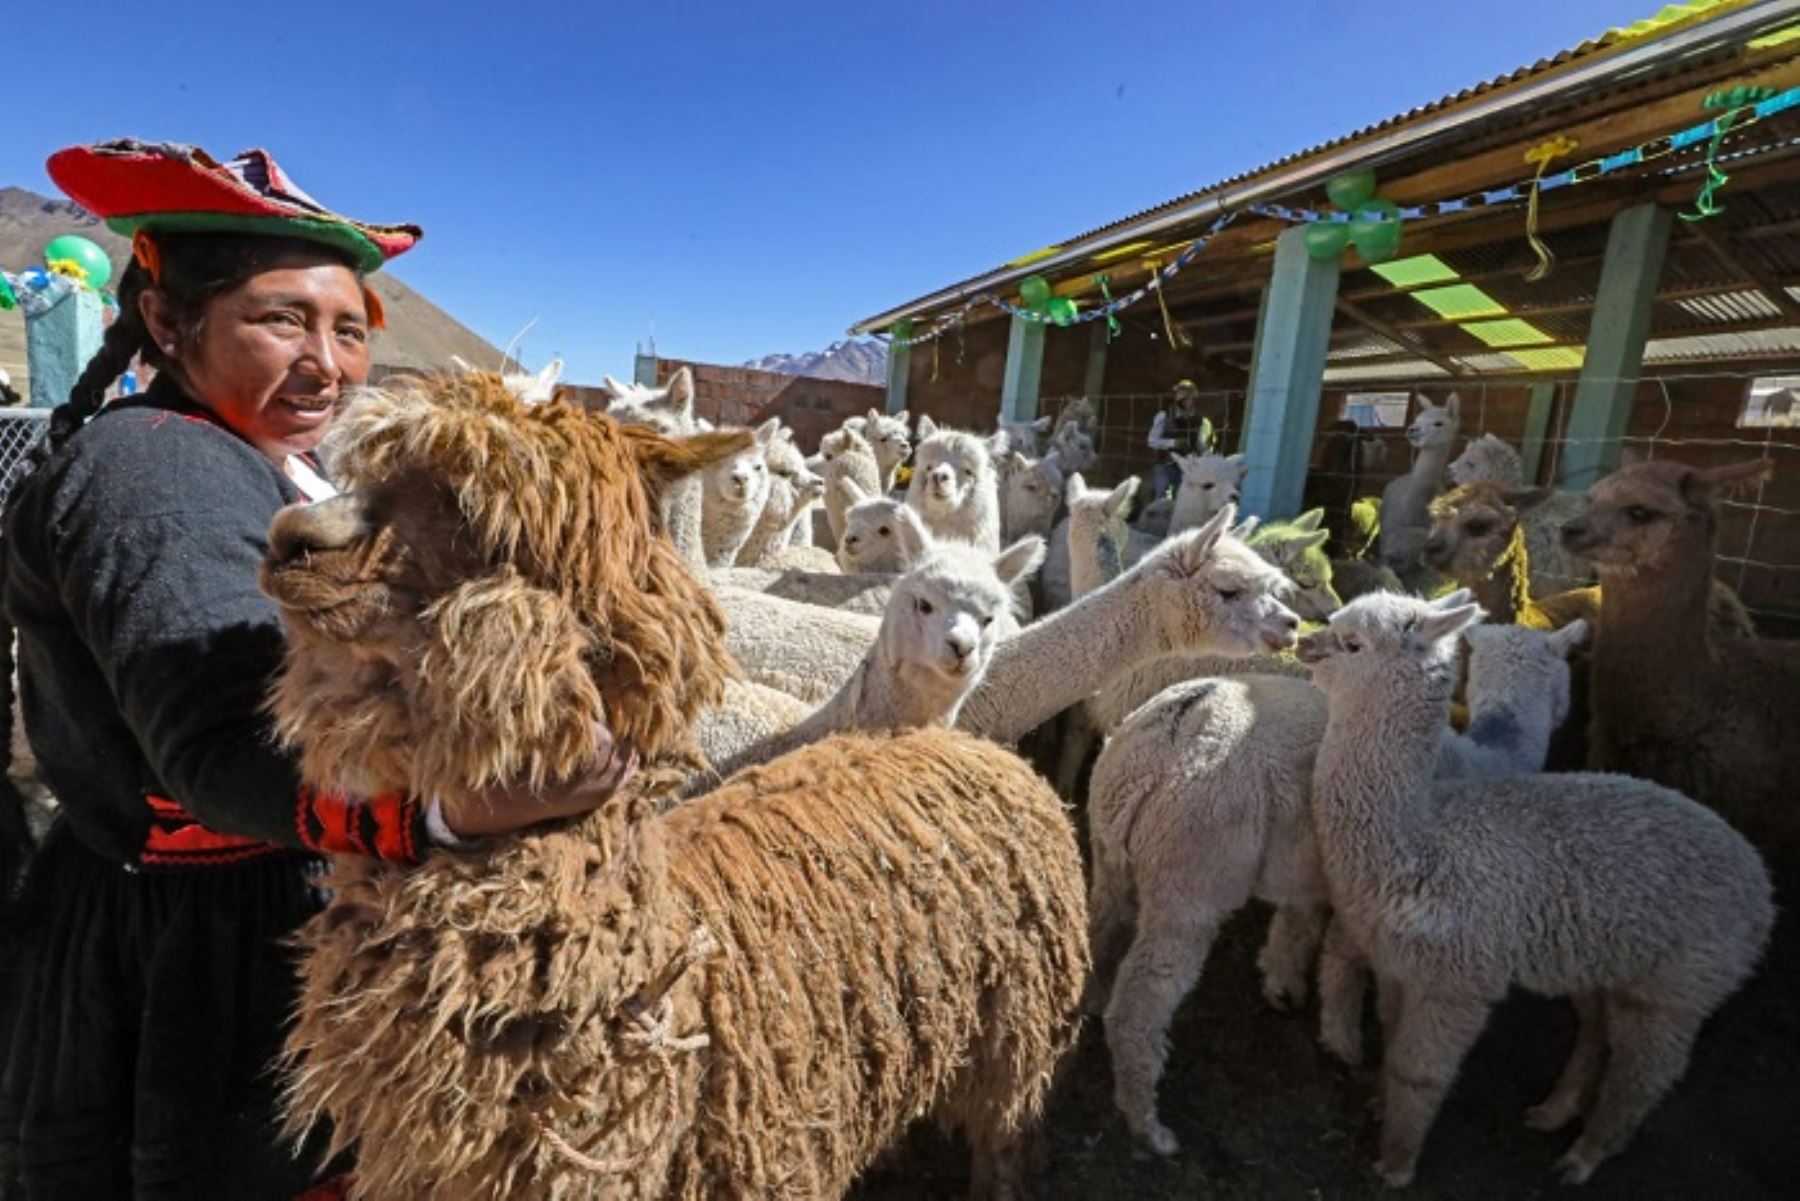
749, 177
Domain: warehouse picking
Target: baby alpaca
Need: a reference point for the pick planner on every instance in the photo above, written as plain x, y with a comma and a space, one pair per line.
735, 492
669, 410
793, 491
1405, 502
1209, 482
954, 488
890, 439
1030, 493
881, 535
845, 457
1013, 437
1646, 908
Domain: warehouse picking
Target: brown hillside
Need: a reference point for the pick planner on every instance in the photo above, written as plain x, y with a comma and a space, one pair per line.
419, 334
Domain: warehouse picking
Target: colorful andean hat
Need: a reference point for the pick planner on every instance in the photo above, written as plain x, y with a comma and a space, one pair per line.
148, 186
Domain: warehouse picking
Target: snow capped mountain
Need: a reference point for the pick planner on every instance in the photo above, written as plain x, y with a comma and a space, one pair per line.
859, 360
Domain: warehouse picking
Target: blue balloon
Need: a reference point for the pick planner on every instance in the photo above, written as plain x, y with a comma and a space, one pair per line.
35, 278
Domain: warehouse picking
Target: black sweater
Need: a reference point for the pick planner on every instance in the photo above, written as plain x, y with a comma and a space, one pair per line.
146, 651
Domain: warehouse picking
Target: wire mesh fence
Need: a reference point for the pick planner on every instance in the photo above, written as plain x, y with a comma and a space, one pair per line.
20, 432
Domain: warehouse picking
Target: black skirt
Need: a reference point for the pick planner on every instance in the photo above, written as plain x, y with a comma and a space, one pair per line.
141, 1014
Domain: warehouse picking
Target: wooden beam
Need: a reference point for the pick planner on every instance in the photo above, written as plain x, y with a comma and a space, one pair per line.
1761, 280
1376, 325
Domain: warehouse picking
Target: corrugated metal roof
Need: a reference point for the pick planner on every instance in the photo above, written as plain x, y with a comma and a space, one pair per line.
1762, 343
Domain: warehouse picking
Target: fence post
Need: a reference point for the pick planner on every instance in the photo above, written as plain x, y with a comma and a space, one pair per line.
1537, 421
58, 344
1024, 364
1287, 373
899, 369
1615, 349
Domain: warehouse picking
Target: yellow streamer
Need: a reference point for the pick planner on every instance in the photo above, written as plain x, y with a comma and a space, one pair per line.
1542, 155
1177, 339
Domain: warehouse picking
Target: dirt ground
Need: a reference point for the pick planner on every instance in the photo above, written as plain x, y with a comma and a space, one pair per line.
1263, 1113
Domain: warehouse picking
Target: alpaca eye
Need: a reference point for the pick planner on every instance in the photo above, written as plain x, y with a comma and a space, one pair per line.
926, 608
1206, 487
1351, 645
1229, 594
1479, 528
883, 531
1640, 514
987, 621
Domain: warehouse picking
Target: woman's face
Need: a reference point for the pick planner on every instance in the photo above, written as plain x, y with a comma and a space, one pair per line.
273, 355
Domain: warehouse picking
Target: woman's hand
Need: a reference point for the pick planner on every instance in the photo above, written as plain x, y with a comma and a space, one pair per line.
505, 809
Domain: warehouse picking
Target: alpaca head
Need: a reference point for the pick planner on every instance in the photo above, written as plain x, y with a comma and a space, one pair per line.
1205, 589
1097, 516
669, 410
1030, 492
840, 444
948, 612
887, 434
1487, 460
951, 472
742, 481
1081, 413
1523, 665
490, 585
530, 388
1209, 482
1385, 644
787, 467
1650, 516
1297, 549
1473, 528
1435, 428
1023, 437
880, 534
1074, 445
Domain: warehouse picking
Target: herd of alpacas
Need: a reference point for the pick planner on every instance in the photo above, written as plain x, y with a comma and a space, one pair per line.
835, 902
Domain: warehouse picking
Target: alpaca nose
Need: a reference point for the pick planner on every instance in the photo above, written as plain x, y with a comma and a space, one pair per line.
300, 529
961, 643
1574, 531
1437, 549
851, 541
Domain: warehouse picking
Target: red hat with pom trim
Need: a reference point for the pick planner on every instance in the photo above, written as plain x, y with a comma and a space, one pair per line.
142, 186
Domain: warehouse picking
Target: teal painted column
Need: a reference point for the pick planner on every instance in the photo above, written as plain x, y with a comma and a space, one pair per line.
1024, 364
1537, 422
899, 367
58, 344
1093, 383
1287, 374
1635, 247
643, 369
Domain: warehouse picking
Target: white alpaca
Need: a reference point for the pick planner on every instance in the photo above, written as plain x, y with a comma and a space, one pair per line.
733, 494
1406, 501
881, 534
669, 411
1209, 482
1645, 907
1013, 437
1102, 541
845, 457
793, 492
937, 635
1030, 493
1200, 801
1488, 460
889, 437
954, 488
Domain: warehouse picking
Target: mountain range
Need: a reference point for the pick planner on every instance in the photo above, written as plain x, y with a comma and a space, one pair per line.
859, 360
419, 334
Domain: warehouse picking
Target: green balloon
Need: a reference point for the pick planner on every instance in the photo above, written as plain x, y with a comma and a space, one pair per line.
1325, 240
1351, 189
1376, 230
1062, 310
84, 254
1034, 290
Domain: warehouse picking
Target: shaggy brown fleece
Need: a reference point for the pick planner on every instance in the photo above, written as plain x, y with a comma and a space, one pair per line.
490, 587
750, 996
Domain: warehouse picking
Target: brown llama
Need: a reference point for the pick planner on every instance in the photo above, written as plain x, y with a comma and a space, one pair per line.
753, 994
1673, 702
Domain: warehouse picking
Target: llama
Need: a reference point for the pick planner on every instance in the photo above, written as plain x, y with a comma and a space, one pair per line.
669, 410
937, 635
1672, 701
845, 458
616, 1006
1405, 502
1200, 802
881, 535
954, 487
1488, 460
1645, 907
1030, 493
793, 493
733, 495
890, 439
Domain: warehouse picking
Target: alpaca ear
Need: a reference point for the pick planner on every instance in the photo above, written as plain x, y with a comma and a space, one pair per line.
1453, 406
1122, 496
1565, 640
1315, 538
766, 432
1243, 529
854, 424
902, 417
907, 518
681, 392
1042, 425
1455, 599
927, 427
547, 378
1073, 489
873, 417
1703, 483
1020, 559
1239, 468
663, 461
1441, 623
1524, 500
1198, 548
1015, 461
853, 490
1308, 521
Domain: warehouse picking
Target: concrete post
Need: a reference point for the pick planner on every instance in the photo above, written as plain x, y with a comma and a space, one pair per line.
1024, 364
899, 368
643, 369
58, 344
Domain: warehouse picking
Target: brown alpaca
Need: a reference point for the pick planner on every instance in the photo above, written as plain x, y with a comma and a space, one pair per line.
1672, 701
750, 995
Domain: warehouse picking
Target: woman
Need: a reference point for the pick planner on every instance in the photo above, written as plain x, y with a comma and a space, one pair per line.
150, 982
